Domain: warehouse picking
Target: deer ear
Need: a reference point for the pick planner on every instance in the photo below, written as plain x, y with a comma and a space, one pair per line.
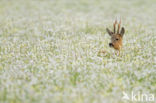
122, 31
109, 32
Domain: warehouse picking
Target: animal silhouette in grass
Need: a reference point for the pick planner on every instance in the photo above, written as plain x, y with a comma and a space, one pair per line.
116, 36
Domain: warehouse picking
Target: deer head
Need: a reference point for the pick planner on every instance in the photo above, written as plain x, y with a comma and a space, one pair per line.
116, 36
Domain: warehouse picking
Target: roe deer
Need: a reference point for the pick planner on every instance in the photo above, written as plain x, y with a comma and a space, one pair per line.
116, 37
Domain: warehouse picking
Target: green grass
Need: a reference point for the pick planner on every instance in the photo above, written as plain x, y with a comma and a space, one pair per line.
49, 51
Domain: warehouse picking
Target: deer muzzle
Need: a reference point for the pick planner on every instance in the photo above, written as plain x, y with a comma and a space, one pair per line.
110, 45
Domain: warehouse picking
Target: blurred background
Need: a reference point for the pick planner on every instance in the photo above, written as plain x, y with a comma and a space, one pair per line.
49, 50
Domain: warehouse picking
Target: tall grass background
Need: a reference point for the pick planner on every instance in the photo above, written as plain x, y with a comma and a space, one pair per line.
49, 51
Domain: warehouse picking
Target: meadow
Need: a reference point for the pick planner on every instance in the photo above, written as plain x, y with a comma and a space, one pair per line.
49, 51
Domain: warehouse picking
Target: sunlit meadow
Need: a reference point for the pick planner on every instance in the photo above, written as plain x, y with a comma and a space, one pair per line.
49, 51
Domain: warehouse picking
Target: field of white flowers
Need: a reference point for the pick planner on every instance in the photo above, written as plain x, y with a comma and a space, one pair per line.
49, 51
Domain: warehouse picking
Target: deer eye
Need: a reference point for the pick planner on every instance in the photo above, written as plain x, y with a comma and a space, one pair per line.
117, 39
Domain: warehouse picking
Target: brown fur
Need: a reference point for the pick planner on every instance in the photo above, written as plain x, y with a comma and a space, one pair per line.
116, 37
